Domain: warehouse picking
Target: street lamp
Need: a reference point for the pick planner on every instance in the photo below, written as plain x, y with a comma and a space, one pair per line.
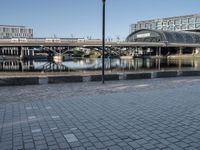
103, 40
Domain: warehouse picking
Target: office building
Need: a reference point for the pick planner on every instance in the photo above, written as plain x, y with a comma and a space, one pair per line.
12, 31
180, 23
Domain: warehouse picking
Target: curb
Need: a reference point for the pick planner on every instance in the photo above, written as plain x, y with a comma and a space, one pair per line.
106, 77
139, 76
166, 74
10, 81
64, 79
190, 73
19, 81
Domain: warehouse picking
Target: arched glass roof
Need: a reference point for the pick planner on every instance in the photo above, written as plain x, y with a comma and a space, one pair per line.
148, 35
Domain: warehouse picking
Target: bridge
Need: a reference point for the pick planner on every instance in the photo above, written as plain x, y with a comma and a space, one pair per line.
25, 47
62, 42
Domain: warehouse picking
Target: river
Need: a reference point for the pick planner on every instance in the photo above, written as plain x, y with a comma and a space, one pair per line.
115, 64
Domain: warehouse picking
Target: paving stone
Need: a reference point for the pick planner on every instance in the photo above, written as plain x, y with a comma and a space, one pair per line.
36, 130
87, 144
31, 117
91, 148
134, 145
182, 144
75, 144
114, 148
148, 146
55, 117
118, 115
78, 148
99, 145
108, 143
70, 138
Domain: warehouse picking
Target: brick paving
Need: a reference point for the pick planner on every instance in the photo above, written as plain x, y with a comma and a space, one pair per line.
120, 115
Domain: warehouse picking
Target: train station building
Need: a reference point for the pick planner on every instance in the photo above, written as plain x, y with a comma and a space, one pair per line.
180, 35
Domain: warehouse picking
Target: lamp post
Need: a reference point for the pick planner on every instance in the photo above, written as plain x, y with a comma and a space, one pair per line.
103, 40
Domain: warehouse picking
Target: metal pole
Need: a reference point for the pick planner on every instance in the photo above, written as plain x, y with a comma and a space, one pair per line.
103, 41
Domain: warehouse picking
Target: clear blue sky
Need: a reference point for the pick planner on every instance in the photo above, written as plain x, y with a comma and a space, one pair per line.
82, 18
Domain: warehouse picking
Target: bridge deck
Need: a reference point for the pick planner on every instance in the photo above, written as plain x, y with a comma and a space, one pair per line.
86, 43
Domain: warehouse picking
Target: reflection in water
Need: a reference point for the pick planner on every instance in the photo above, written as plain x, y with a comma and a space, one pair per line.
137, 64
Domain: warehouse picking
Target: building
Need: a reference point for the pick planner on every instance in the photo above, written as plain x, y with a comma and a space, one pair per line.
12, 31
189, 23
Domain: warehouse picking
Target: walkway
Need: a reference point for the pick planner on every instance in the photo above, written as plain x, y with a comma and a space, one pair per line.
140, 114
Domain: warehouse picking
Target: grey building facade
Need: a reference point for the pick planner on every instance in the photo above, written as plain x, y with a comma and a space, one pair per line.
12, 31
180, 23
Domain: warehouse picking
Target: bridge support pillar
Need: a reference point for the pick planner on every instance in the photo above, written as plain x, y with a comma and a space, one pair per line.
2, 51
179, 64
159, 53
12, 52
28, 52
196, 51
16, 52
180, 51
21, 52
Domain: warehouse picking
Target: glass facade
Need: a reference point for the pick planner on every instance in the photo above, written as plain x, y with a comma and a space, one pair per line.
149, 35
9, 31
189, 22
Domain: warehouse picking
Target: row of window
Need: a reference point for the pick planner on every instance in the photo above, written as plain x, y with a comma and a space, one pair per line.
10, 35
168, 22
158, 24
183, 26
16, 30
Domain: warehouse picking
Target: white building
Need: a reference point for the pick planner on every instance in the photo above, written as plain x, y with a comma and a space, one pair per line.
12, 31
189, 22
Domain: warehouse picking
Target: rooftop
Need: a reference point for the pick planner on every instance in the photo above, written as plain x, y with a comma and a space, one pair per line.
167, 18
13, 26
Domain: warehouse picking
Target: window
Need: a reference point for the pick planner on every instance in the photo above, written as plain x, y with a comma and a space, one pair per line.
164, 23
170, 22
184, 27
153, 25
184, 20
177, 22
177, 27
159, 27
197, 26
191, 26
159, 23
142, 26
198, 19
191, 20
164, 28
171, 28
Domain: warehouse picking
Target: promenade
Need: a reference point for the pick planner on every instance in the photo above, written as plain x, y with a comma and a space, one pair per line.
149, 114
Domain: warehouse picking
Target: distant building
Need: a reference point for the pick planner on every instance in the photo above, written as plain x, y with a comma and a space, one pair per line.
180, 23
12, 31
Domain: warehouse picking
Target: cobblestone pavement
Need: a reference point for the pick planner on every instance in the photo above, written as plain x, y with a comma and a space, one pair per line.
139, 114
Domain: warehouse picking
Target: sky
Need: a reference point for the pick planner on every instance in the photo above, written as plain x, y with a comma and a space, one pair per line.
83, 18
